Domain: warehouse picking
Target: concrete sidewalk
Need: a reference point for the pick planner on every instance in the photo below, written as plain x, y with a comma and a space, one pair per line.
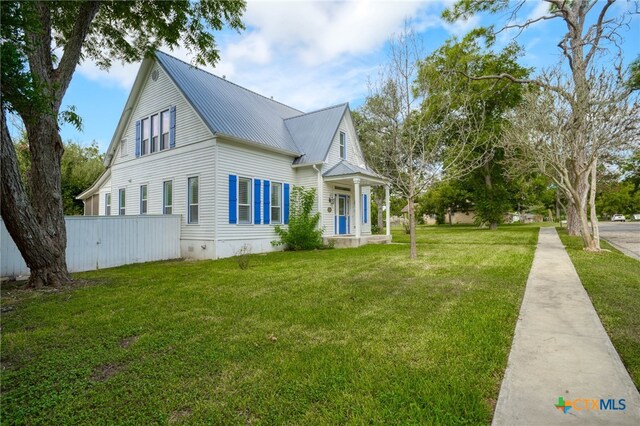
560, 349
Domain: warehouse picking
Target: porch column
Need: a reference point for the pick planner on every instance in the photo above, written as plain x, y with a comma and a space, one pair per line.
387, 209
356, 212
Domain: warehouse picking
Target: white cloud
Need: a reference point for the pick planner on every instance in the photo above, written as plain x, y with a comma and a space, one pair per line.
540, 9
307, 54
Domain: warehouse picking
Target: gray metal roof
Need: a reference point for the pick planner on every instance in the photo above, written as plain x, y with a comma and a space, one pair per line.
346, 168
232, 110
314, 132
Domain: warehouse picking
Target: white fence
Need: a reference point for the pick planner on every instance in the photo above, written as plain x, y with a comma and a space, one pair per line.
95, 242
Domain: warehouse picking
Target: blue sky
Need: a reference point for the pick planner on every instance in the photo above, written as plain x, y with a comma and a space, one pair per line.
312, 54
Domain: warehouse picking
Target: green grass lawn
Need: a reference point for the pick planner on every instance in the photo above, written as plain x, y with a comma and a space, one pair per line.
612, 280
325, 337
469, 234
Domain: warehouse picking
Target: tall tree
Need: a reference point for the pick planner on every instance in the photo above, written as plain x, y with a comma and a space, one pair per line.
35, 80
543, 136
590, 48
444, 75
425, 142
373, 143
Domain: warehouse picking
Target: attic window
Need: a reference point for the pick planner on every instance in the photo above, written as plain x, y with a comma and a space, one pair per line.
343, 145
154, 75
123, 148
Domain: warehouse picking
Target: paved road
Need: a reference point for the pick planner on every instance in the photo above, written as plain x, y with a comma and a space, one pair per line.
625, 236
561, 350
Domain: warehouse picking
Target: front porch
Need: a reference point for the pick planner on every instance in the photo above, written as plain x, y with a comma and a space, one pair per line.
348, 241
347, 192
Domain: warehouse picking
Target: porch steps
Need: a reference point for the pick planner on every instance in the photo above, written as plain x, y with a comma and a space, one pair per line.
345, 241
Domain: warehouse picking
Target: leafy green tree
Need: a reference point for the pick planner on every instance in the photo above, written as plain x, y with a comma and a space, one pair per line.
619, 198
444, 199
634, 74
302, 232
81, 166
576, 101
34, 80
444, 75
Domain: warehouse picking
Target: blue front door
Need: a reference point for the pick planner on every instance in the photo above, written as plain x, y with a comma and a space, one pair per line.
343, 214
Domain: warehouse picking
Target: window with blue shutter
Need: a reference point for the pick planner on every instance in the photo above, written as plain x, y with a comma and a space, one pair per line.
138, 138
233, 199
364, 208
256, 201
172, 127
267, 202
286, 203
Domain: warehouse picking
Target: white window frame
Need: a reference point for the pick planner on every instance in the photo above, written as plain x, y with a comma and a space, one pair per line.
123, 148
189, 204
164, 197
107, 204
150, 147
279, 207
168, 117
154, 146
144, 142
144, 199
122, 201
250, 201
343, 145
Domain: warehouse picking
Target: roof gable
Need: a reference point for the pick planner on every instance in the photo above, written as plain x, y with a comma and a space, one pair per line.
314, 132
231, 110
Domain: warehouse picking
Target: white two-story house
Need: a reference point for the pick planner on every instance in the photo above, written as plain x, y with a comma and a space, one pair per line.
225, 159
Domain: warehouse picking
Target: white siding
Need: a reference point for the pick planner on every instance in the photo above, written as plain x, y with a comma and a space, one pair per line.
255, 163
104, 190
308, 177
102, 242
157, 96
176, 165
354, 153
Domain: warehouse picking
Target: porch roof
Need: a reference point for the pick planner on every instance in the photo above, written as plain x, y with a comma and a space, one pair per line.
344, 170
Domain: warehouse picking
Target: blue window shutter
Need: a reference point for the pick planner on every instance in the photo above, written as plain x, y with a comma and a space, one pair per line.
138, 138
233, 199
286, 203
256, 201
172, 127
267, 202
364, 208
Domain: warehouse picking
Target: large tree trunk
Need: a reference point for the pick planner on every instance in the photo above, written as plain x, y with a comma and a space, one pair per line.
592, 207
37, 227
573, 222
493, 225
412, 228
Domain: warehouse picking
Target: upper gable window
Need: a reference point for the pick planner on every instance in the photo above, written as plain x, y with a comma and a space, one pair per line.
164, 137
343, 145
144, 146
156, 132
123, 148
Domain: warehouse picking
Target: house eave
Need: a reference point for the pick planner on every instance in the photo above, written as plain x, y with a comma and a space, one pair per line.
367, 178
96, 185
253, 144
315, 163
138, 84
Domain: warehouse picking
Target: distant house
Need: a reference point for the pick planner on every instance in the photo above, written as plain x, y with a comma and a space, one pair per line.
225, 158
